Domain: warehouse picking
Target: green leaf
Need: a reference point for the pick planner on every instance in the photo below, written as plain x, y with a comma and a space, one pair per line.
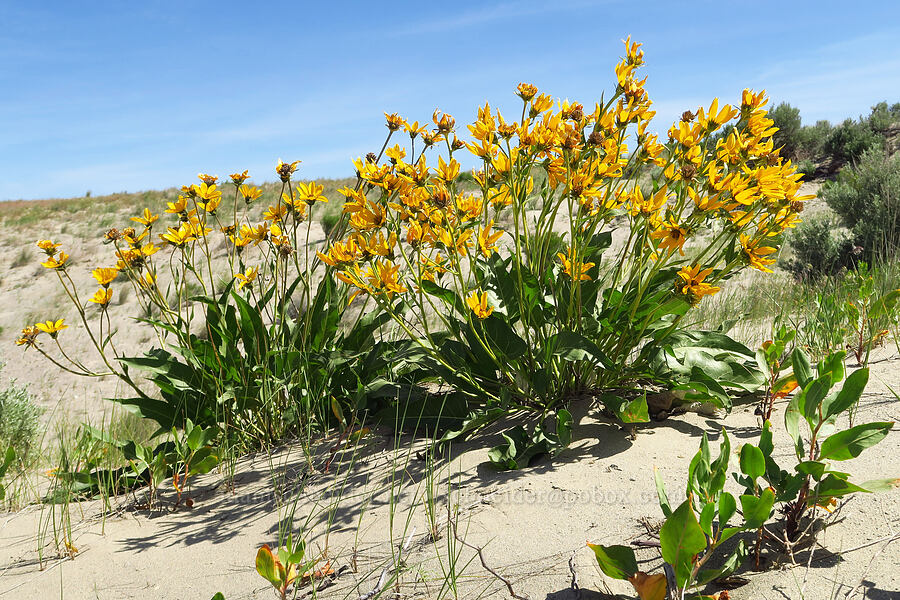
802, 368
574, 347
881, 485
753, 463
635, 411
810, 398
661, 493
848, 396
850, 443
727, 508
449, 297
834, 485
833, 365
792, 415
617, 562
505, 340
707, 514
8, 457
731, 564
884, 305
564, 424
265, 566
757, 509
681, 538
814, 469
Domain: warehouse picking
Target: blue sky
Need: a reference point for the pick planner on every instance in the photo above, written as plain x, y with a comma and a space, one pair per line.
122, 96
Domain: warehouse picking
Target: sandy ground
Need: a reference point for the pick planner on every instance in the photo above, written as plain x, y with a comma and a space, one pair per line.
530, 522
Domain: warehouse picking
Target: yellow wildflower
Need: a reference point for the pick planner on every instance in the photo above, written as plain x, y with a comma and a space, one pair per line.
394, 121
105, 275
246, 278
479, 304
146, 219
311, 193
692, 285
285, 170
276, 213
179, 237
571, 266
487, 241
756, 254
102, 296
239, 178
28, 337
208, 180
48, 247
52, 327
526, 91
671, 236
250, 193
56, 262
178, 207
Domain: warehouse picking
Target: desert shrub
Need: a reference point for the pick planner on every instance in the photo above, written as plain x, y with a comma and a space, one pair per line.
19, 420
821, 246
808, 168
850, 140
884, 117
866, 196
787, 119
330, 221
811, 139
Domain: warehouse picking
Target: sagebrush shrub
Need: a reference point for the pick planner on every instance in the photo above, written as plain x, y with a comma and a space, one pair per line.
850, 140
19, 420
787, 119
866, 196
821, 247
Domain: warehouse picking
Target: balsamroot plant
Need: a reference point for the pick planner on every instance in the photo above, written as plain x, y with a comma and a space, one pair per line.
512, 312
246, 339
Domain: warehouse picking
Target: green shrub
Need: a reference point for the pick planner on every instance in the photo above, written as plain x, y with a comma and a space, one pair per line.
867, 198
850, 140
787, 120
821, 247
884, 117
808, 168
19, 419
811, 139
330, 220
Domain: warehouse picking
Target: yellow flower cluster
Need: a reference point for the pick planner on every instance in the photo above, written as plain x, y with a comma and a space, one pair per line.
409, 213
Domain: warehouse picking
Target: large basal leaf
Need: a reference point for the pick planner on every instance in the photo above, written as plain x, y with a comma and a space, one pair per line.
720, 358
572, 346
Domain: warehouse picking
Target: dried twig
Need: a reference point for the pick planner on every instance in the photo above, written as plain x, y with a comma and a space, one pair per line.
484, 564
574, 583
890, 539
